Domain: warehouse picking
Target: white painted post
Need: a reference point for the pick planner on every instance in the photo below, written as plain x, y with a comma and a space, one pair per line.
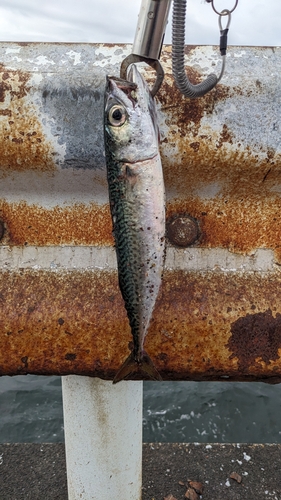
103, 438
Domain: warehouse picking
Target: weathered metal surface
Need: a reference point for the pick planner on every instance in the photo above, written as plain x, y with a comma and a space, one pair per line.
218, 313
206, 326
97, 258
2, 229
221, 153
77, 224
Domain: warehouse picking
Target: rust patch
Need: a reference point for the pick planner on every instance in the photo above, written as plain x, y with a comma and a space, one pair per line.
196, 312
232, 188
75, 322
201, 155
232, 191
22, 142
6, 112
2, 229
74, 225
70, 356
185, 113
255, 338
225, 136
238, 225
59, 323
195, 145
237, 173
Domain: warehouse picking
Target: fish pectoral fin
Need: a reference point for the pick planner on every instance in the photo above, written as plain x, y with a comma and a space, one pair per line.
143, 367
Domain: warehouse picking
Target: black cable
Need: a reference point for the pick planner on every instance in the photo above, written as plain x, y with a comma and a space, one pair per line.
178, 43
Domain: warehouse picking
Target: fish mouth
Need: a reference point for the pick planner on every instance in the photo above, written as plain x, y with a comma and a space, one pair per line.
144, 96
123, 91
125, 86
135, 77
135, 82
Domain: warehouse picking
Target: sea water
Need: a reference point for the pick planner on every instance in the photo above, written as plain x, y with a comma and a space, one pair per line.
31, 411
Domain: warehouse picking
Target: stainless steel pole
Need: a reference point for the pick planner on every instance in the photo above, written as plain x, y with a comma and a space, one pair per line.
152, 22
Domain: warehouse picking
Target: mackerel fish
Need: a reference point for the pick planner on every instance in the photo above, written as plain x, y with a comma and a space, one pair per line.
137, 203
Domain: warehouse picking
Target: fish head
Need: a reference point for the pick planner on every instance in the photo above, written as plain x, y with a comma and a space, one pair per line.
145, 99
131, 132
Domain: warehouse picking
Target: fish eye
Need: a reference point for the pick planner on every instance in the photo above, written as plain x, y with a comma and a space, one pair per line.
117, 115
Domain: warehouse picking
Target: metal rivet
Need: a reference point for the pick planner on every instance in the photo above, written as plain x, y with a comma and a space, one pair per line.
2, 229
183, 231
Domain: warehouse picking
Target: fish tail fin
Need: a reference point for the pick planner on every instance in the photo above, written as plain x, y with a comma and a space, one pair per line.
143, 366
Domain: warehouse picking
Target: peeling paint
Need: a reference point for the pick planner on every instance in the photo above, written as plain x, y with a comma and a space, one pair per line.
75, 56
81, 257
43, 60
105, 56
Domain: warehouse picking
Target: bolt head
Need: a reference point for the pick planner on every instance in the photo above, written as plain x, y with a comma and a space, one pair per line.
182, 231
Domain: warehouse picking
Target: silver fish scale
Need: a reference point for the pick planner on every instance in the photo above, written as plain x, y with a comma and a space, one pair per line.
137, 203
139, 247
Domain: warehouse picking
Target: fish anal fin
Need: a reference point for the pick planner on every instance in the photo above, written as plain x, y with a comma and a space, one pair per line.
143, 367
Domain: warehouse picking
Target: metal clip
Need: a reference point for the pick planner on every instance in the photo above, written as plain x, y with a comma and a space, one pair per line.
134, 58
221, 13
152, 22
227, 13
223, 38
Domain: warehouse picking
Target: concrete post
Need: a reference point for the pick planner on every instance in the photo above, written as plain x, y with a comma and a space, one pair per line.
103, 438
